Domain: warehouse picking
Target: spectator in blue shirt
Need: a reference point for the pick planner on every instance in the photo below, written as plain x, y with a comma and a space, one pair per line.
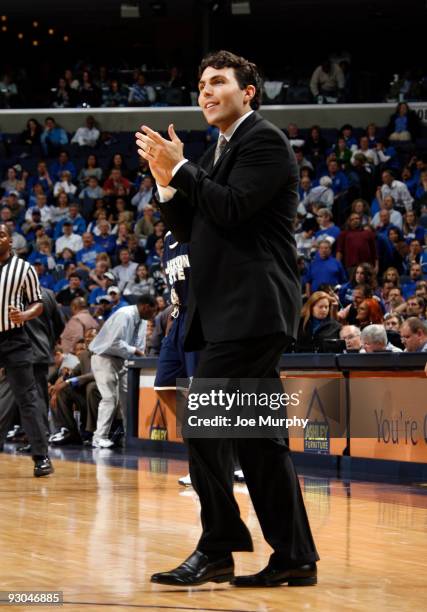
42, 177
45, 279
86, 257
116, 298
62, 164
73, 217
324, 269
53, 137
339, 179
411, 229
105, 240
363, 274
415, 274
346, 132
328, 230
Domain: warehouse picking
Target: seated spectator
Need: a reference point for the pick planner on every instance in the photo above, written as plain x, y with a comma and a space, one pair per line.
374, 340
414, 307
123, 231
415, 274
68, 239
324, 269
141, 283
41, 178
155, 255
12, 182
343, 154
137, 253
305, 241
63, 273
144, 195
80, 322
322, 195
19, 244
409, 180
61, 209
421, 290
414, 335
99, 283
73, 290
316, 324
104, 238
62, 164
354, 244
75, 218
126, 269
393, 321
44, 210
399, 247
91, 168
315, 146
145, 226
339, 179
346, 132
88, 94
138, 92
89, 195
402, 199
16, 206
114, 181
411, 229
301, 160
117, 301
362, 208
327, 81
370, 154
349, 313
79, 390
404, 124
8, 91
64, 185
352, 337
52, 138
362, 274
327, 229
295, 139
116, 96
46, 280
393, 300
369, 312
66, 257
88, 135
395, 218
62, 95
86, 257
31, 135
158, 232
371, 134
387, 155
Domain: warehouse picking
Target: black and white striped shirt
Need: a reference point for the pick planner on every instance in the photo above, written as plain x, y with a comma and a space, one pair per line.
19, 285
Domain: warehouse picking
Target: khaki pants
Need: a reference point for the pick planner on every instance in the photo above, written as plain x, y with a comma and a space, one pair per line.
111, 379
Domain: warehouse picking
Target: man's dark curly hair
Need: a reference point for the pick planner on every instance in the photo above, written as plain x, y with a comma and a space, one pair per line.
246, 73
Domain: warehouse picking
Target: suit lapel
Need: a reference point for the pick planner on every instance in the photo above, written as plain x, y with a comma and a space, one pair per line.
235, 139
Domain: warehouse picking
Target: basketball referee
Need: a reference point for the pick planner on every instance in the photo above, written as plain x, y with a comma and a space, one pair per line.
18, 285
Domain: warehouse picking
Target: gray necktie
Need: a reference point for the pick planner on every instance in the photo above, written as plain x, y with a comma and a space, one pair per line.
220, 146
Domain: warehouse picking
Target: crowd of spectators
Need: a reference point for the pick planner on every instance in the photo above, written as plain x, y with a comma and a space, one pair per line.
89, 85
95, 236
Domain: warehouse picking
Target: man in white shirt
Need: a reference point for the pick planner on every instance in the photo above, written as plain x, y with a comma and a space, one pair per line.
68, 240
87, 136
126, 270
45, 210
395, 216
122, 337
370, 154
401, 196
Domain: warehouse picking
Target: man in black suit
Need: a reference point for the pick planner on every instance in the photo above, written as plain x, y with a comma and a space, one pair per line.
236, 209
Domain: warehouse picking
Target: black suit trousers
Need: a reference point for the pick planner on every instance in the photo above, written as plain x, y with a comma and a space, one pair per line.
266, 463
16, 357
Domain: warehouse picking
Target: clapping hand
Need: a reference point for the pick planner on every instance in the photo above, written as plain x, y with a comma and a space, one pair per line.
161, 154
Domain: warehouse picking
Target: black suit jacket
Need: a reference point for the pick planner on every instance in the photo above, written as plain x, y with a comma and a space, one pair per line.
237, 217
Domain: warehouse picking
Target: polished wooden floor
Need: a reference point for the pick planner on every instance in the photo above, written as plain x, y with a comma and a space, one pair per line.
97, 531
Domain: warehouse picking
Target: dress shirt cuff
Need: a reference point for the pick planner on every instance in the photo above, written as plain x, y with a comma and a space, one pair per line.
167, 193
132, 350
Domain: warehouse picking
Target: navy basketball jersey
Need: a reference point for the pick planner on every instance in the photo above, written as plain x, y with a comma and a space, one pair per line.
176, 264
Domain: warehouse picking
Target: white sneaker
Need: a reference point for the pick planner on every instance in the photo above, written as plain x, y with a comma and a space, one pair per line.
102, 443
239, 476
58, 435
185, 481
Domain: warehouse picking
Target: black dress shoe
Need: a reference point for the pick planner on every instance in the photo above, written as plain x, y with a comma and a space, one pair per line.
24, 449
198, 569
42, 466
305, 575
